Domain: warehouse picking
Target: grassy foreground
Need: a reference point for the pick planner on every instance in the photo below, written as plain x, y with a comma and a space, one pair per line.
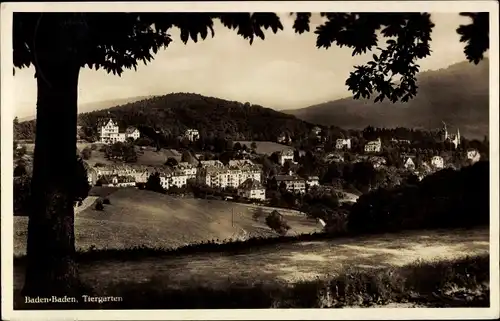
458, 283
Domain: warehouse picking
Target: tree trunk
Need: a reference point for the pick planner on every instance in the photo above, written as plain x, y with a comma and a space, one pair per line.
51, 268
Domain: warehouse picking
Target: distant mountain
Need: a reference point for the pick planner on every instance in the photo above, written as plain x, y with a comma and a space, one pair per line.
89, 107
176, 112
457, 95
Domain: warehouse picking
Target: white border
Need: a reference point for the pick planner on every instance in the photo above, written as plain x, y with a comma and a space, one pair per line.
272, 6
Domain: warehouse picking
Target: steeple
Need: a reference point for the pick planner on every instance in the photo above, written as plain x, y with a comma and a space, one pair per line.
445, 131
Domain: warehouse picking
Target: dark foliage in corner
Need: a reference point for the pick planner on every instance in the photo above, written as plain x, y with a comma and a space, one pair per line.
446, 199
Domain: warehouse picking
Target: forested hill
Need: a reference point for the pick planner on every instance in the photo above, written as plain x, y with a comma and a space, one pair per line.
458, 95
174, 113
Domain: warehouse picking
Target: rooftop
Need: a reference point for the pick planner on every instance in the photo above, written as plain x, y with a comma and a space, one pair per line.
251, 184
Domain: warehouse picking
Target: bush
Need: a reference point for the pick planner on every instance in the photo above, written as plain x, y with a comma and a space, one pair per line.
277, 222
99, 206
106, 201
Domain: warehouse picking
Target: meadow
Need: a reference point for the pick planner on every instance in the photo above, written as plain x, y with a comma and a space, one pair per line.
143, 218
265, 147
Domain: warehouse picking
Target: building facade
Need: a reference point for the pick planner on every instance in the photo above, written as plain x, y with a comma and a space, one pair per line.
473, 155
374, 146
109, 132
285, 155
343, 143
293, 183
437, 162
252, 189
192, 134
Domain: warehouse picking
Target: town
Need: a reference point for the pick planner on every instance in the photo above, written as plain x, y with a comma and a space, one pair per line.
249, 172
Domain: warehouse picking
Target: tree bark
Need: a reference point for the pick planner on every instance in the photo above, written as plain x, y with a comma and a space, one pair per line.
51, 268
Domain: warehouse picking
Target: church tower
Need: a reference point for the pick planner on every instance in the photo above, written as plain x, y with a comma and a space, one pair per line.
444, 132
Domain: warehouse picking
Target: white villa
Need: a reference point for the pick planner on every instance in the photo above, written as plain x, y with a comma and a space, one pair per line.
473, 155
374, 146
252, 189
186, 169
342, 143
192, 134
215, 174
313, 181
109, 132
173, 178
409, 164
437, 162
293, 183
285, 155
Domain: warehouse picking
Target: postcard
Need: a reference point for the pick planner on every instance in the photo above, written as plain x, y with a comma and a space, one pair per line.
250, 160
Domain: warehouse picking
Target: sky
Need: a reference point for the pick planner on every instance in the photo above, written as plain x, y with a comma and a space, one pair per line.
285, 71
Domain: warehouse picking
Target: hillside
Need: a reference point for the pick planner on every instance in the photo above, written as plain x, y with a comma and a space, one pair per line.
143, 218
174, 113
458, 95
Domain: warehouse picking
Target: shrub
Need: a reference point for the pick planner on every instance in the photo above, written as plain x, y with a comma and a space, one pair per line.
277, 222
106, 201
99, 206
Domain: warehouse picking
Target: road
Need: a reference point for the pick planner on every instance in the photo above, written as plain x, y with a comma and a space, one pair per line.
289, 262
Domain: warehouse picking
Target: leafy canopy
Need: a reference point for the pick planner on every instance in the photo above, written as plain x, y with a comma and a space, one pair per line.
118, 41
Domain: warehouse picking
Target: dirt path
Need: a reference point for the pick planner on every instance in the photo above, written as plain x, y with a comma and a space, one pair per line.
88, 201
290, 262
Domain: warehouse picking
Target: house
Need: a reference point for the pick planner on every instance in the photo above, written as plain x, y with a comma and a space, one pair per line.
437, 162
374, 146
116, 181
109, 132
293, 183
316, 130
409, 163
241, 170
192, 134
132, 132
285, 155
173, 178
214, 163
215, 174
123, 181
313, 181
186, 169
252, 189
473, 155
343, 143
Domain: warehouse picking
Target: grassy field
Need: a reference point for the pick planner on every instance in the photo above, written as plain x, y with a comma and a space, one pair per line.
266, 148
421, 268
143, 218
147, 157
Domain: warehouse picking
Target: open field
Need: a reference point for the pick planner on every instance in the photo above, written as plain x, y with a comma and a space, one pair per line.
286, 263
266, 148
143, 218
